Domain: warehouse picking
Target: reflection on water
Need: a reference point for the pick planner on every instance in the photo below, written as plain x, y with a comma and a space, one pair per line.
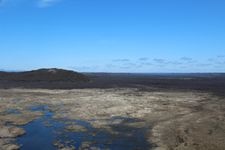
43, 132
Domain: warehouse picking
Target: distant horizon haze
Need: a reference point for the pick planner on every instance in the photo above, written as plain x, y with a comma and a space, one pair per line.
100, 72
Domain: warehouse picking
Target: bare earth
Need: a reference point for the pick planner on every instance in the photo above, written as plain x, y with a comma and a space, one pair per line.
173, 120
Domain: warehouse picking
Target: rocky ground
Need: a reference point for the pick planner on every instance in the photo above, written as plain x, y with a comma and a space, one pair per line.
172, 119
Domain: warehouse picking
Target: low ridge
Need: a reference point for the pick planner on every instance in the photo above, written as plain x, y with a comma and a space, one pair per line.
47, 75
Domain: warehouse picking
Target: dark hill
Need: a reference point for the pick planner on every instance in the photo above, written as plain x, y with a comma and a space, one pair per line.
44, 75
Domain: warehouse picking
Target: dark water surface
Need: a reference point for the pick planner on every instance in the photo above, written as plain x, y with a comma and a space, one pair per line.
43, 132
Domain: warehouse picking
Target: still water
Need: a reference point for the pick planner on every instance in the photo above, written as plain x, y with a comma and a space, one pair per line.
44, 131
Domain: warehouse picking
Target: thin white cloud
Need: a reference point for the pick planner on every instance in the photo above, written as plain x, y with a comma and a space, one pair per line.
38, 3
47, 3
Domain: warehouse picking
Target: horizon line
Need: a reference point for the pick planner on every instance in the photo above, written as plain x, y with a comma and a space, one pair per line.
115, 72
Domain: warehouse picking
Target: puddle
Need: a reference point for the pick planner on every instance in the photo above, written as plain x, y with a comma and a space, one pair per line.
43, 108
43, 132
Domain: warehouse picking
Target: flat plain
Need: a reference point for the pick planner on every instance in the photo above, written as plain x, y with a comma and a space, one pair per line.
116, 111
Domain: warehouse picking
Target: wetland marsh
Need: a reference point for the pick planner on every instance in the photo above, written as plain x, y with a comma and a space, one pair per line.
115, 118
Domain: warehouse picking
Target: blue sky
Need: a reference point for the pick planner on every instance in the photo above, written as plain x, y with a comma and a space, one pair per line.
113, 35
